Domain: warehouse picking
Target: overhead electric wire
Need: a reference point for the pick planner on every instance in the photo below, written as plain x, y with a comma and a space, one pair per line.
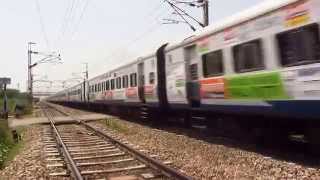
73, 16
43, 29
182, 17
68, 19
64, 21
80, 19
177, 9
140, 36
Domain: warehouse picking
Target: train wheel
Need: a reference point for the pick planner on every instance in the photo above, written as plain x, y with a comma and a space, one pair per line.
313, 137
270, 135
187, 120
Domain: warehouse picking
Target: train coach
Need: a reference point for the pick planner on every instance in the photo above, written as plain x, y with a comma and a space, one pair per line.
258, 70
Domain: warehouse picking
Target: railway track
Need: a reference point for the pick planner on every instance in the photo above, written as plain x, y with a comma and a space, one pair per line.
80, 151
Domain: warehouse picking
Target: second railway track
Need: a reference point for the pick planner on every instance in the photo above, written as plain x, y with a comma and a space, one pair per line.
80, 151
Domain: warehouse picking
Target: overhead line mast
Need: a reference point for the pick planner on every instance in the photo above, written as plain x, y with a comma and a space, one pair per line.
205, 12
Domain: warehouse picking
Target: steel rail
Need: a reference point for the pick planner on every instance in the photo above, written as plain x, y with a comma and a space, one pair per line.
153, 163
70, 162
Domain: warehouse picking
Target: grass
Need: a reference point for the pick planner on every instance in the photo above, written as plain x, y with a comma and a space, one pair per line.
114, 124
16, 98
8, 148
11, 104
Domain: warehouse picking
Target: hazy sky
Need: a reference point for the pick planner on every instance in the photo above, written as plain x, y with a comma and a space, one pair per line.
103, 33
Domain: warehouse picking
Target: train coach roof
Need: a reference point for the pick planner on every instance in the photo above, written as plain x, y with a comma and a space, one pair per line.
238, 18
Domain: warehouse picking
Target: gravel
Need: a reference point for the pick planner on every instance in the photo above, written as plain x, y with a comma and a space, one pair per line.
204, 160
27, 164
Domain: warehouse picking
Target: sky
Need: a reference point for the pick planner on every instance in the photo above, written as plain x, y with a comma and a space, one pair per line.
103, 33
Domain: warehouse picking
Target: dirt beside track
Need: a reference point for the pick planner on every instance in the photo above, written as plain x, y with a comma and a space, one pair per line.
204, 160
28, 163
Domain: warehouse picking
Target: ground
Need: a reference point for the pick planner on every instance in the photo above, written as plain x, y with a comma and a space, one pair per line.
192, 153
209, 159
27, 164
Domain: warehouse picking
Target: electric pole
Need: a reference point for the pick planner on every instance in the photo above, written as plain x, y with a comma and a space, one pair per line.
86, 84
30, 68
87, 73
205, 12
49, 58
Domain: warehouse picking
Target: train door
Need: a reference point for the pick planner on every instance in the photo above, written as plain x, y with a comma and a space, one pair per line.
83, 91
193, 86
80, 94
141, 82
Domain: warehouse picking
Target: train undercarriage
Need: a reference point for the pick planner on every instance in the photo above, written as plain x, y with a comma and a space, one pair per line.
259, 129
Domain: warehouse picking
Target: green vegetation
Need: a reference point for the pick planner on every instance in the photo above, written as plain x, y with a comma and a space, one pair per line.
8, 148
113, 124
15, 98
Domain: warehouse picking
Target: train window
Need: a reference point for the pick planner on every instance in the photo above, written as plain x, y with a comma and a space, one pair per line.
133, 80
125, 82
299, 46
151, 78
118, 83
213, 64
107, 85
95, 88
248, 56
194, 71
112, 84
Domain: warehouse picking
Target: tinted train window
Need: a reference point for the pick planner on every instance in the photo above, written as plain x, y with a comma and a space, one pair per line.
248, 57
125, 82
213, 64
95, 88
299, 46
151, 78
118, 83
133, 80
112, 84
194, 71
107, 85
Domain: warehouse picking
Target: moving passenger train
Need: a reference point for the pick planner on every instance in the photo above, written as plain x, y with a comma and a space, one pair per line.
261, 66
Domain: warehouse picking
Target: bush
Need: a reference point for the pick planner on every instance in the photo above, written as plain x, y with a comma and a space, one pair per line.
15, 98
6, 142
